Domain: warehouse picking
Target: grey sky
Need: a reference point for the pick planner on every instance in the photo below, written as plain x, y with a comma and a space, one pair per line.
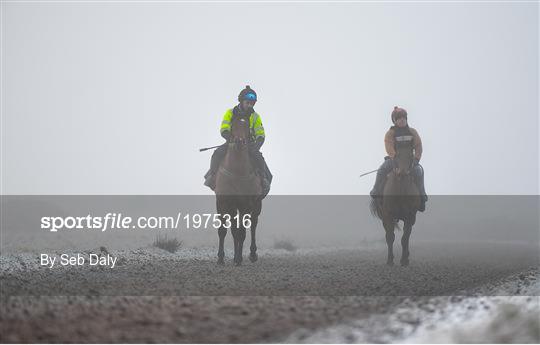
116, 98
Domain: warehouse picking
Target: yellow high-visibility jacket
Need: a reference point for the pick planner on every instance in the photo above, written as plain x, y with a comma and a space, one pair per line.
255, 124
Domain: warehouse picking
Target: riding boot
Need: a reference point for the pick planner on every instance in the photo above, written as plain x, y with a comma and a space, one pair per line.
215, 161
419, 177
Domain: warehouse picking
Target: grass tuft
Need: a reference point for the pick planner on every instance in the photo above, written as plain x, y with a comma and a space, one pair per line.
169, 244
286, 245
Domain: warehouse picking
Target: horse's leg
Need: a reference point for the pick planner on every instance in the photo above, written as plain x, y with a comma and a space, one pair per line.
253, 248
234, 232
222, 232
241, 231
407, 229
240, 236
390, 236
255, 212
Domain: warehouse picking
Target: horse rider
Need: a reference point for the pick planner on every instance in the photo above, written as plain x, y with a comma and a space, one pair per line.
400, 135
246, 101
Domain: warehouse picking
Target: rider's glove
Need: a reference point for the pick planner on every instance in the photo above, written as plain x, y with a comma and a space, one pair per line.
226, 135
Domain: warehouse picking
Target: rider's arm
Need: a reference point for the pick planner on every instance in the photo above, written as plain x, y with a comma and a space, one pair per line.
417, 142
226, 134
259, 142
225, 128
389, 143
258, 129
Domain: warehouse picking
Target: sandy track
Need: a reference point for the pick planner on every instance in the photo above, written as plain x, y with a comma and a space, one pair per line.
261, 302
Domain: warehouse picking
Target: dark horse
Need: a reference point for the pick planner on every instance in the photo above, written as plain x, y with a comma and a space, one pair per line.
400, 201
238, 193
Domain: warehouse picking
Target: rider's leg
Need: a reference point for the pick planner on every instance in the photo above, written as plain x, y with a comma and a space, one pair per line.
419, 178
215, 161
384, 170
259, 162
262, 170
217, 157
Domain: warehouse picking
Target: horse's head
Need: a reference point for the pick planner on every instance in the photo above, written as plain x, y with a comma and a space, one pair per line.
403, 162
239, 133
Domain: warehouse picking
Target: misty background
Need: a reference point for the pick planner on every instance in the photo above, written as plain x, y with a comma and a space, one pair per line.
116, 98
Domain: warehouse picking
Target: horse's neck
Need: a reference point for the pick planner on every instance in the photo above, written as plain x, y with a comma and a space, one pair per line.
400, 186
237, 162
404, 156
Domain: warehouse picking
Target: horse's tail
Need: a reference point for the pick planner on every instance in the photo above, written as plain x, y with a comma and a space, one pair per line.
375, 206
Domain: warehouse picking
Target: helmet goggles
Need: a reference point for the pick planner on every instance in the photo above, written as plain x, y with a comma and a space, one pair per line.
250, 97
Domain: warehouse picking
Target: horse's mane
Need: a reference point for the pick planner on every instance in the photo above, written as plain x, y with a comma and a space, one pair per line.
375, 206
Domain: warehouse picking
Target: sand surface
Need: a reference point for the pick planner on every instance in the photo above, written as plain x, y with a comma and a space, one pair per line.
154, 296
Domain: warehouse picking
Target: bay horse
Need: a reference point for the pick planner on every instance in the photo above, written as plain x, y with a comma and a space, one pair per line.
238, 193
400, 201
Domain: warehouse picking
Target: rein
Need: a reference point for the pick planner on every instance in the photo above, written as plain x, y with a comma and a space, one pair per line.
238, 141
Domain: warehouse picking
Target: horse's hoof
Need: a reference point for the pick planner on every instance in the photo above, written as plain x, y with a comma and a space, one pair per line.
253, 257
404, 262
220, 261
390, 262
237, 260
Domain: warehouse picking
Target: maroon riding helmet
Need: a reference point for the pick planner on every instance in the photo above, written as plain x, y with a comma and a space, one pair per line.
397, 113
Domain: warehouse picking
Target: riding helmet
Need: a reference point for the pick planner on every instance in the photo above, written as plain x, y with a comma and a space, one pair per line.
398, 112
247, 94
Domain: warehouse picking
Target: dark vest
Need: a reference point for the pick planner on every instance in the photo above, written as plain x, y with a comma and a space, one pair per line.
403, 137
239, 113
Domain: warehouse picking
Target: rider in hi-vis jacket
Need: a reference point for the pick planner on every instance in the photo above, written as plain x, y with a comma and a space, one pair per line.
246, 101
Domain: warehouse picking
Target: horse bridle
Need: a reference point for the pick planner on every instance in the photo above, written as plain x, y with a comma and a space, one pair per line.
407, 172
239, 141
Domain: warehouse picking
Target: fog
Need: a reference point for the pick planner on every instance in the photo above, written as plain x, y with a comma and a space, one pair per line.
116, 98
